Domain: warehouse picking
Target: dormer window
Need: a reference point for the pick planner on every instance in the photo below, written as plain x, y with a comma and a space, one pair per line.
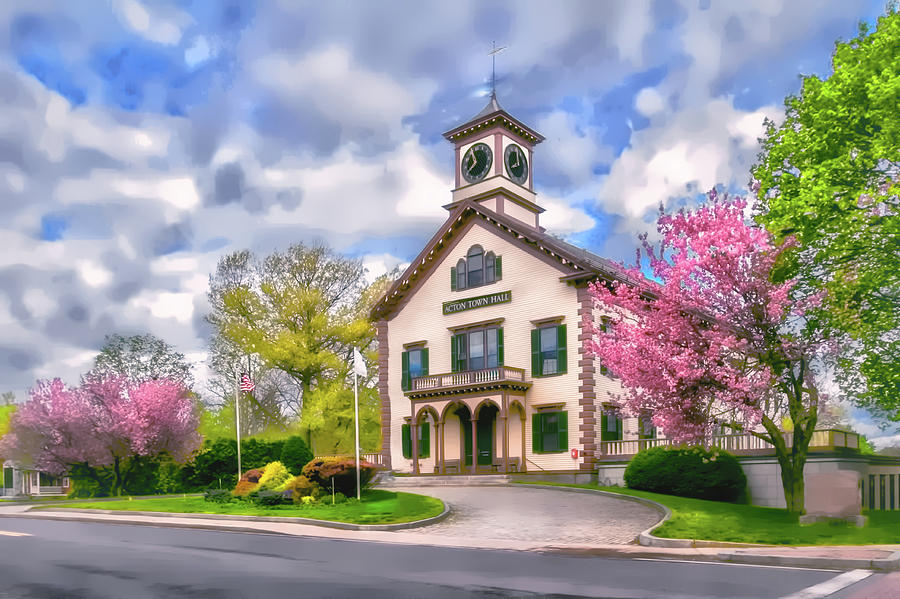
476, 269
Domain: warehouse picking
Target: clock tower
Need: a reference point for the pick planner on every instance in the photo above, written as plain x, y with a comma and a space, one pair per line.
493, 164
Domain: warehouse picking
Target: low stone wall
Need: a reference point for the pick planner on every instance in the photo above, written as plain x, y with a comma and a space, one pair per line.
764, 477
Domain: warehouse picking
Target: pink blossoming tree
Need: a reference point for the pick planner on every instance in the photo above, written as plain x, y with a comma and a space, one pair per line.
716, 342
102, 429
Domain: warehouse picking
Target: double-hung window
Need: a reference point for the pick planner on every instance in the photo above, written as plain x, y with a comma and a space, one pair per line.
646, 430
477, 350
414, 364
550, 432
548, 350
610, 425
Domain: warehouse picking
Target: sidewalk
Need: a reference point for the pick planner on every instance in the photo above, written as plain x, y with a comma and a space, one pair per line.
873, 557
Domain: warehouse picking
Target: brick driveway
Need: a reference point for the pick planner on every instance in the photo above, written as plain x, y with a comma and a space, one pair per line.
521, 513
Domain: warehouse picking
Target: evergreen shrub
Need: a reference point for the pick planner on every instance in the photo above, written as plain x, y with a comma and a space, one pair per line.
218, 496
269, 498
295, 454
687, 472
341, 470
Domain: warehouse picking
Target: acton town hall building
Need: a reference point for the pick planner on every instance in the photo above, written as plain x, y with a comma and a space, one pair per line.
481, 367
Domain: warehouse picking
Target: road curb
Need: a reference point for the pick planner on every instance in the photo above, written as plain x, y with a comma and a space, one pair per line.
222, 517
890, 564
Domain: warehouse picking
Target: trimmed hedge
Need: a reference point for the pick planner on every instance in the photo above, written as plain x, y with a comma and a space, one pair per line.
687, 472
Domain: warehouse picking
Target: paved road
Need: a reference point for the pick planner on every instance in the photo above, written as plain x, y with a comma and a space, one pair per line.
94, 560
548, 516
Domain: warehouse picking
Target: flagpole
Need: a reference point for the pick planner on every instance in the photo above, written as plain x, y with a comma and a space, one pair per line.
237, 419
356, 421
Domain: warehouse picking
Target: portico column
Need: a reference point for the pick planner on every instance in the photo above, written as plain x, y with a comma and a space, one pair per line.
524, 466
441, 445
414, 437
505, 445
474, 445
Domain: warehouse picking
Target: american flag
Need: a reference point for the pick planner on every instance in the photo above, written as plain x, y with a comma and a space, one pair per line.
246, 384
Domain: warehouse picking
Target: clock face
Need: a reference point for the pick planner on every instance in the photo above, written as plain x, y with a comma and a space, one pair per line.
516, 163
477, 162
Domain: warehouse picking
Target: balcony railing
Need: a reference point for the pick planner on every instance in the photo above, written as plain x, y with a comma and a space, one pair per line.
437, 382
822, 440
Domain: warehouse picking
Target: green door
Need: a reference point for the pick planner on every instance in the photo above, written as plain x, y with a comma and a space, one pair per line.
466, 425
485, 428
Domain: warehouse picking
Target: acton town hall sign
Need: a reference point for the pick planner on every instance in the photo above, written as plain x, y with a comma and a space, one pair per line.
477, 302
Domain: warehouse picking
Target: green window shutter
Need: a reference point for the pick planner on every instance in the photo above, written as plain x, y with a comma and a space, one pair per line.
561, 349
454, 353
536, 352
407, 442
563, 424
452, 278
500, 346
425, 362
619, 436
498, 268
425, 441
537, 442
603, 422
404, 362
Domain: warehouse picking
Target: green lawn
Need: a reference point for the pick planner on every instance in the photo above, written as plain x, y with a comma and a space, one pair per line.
377, 507
718, 521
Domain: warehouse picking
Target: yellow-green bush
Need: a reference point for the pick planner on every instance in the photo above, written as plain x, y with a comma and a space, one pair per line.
274, 476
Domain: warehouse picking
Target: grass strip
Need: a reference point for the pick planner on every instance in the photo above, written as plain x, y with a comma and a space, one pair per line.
377, 507
736, 523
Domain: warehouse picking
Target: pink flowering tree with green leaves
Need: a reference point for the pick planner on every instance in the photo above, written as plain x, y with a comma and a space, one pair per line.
102, 429
715, 342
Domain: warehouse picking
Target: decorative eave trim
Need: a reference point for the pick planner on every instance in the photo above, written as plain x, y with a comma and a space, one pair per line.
476, 325
499, 117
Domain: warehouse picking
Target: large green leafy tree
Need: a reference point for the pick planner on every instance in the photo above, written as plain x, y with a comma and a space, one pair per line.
830, 175
298, 312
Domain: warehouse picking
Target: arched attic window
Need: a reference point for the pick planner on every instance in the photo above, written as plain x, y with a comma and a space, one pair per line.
475, 266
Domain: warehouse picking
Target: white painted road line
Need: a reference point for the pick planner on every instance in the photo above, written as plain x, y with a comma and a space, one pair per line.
7, 533
823, 589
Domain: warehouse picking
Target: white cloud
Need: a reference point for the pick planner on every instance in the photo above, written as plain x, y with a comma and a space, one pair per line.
649, 102
689, 152
93, 274
155, 27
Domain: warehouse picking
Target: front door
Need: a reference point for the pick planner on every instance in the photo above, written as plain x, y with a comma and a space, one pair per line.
485, 428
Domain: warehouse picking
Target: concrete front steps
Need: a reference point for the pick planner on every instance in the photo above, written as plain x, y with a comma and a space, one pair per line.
444, 480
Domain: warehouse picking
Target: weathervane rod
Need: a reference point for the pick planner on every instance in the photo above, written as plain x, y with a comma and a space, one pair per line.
493, 54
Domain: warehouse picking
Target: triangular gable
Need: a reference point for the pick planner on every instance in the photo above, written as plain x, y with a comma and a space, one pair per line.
574, 264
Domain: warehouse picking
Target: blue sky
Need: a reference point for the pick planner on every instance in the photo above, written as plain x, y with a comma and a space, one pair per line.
139, 142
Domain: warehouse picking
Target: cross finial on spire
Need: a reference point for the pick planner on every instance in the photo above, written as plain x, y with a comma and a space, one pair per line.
493, 54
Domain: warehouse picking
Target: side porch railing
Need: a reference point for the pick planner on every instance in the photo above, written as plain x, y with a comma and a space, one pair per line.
822, 440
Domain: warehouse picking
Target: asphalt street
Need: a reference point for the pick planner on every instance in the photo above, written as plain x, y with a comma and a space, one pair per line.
48, 559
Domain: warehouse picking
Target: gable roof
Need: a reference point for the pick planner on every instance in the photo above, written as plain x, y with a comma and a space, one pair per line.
578, 264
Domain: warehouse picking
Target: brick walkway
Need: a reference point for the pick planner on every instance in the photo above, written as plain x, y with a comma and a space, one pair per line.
520, 513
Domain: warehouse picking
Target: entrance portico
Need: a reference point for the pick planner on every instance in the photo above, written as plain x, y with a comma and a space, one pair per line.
472, 434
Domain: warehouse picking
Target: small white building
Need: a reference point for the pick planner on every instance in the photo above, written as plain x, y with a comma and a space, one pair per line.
19, 481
